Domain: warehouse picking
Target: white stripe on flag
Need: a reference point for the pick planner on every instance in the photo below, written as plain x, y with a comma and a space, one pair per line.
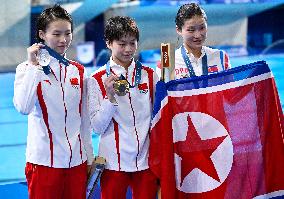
270, 195
221, 87
158, 115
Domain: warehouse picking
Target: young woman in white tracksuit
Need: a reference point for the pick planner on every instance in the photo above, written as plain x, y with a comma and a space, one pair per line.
193, 58
59, 139
123, 119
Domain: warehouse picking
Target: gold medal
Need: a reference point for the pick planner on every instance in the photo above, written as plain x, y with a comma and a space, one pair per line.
121, 87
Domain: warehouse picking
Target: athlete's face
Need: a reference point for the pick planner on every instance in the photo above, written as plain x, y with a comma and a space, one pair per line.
194, 32
123, 50
58, 35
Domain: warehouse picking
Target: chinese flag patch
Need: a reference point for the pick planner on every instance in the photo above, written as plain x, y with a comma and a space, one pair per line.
74, 81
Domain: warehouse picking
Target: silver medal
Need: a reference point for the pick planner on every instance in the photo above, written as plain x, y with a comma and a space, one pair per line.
43, 57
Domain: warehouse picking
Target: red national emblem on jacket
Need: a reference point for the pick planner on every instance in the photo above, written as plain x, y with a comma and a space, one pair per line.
74, 81
143, 88
212, 69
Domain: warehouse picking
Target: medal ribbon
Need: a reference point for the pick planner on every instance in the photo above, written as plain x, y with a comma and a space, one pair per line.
56, 55
138, 67
189, 66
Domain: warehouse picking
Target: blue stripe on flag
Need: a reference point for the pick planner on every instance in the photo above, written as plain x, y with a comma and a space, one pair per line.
161, 93
215, 79
278, 197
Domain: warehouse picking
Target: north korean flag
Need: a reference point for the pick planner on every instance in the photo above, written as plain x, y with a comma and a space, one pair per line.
219, 136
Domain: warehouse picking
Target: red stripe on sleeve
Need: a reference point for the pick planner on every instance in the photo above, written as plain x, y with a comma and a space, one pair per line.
45, 119
98, 77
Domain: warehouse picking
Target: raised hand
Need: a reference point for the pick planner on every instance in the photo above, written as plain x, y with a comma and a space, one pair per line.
109, 81
33, 52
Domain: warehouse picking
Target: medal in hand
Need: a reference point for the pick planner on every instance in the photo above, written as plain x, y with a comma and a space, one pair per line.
121, 86
43, 57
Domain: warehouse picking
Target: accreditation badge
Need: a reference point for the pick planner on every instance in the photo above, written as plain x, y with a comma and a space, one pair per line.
43, 57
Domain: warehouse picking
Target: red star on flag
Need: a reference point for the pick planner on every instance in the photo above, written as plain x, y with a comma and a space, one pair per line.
195, 152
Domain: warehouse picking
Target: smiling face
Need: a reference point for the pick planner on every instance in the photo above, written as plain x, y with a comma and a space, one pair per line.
123, 50
58, 35
193, 32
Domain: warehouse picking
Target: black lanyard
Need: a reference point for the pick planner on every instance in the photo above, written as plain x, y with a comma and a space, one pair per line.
138, 67
189, 66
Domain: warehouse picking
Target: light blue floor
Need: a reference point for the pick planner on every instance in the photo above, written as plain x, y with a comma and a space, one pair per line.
13, 126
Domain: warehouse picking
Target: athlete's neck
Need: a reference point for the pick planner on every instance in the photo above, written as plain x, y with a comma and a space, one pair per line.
196, 52
121, 63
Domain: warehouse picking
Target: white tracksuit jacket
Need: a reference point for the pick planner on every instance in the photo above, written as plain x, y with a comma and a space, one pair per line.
59, 133
217, 61
124, 129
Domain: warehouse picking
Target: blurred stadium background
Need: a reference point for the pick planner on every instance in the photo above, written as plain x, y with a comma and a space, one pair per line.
249, 30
